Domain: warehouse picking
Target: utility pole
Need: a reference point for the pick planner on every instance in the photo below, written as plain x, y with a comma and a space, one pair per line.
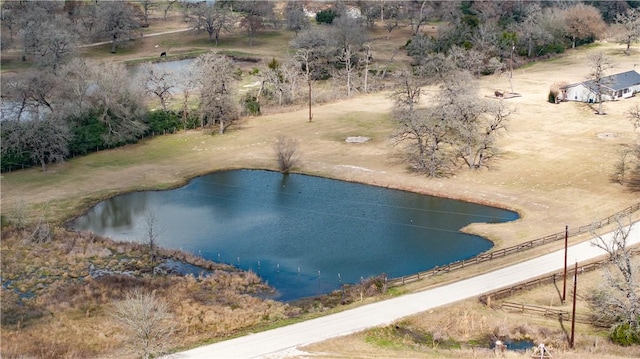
564, 285
309, 83
573, 313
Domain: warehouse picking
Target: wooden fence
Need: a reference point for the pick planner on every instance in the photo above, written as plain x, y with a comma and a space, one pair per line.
530, 284
507, 292
484, 257
547, 312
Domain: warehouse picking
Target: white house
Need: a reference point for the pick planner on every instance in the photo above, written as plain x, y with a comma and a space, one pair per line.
615, 87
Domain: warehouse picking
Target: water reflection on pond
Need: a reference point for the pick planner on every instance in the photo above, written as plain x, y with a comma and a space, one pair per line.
304, 235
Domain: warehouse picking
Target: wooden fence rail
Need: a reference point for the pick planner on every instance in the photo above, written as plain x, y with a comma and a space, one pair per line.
548, 312
507, 292
484, 257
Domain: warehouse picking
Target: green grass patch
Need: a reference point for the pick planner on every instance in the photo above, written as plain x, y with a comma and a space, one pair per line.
12, 63
404, 336
396, 291
383, 338
104, 51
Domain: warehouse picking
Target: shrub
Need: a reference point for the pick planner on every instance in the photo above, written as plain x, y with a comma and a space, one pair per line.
274, 64
624, 334
287, 153
251, 104
161, 122
326, 16
10, 161
87, 134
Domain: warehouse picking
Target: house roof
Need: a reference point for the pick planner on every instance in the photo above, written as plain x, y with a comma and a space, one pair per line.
616, 82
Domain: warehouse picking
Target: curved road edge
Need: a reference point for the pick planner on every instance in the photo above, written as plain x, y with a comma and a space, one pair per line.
275, 342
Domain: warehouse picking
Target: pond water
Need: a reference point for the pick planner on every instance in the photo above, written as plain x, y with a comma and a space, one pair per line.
175, 66
304, 235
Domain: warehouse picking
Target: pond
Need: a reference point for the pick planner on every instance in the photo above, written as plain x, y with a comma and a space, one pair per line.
304, 235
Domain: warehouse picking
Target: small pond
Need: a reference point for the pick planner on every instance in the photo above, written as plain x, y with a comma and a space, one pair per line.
304, 235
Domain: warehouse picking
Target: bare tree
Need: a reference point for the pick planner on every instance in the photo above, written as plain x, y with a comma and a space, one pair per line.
119, 102
348, 31
287, 153
86, 15
147, 6
49, 39
633, 114
168, 5
315, 49
421, 130
215, 74
117, 22
366, 60
628, 25
624, 165
151, 229
458, 128
211, 18
296, 18
45, 140
30, 97
306, 57
600, 63
617, 301
158, 82
485, 144
11, 15
583, 22
289, 71
253, 14
418, 15
391, 14
424, 136
486, 39
147, 321
346, 58
530, 30
74, 90
407, 90
187, 82
459, 106
281, 80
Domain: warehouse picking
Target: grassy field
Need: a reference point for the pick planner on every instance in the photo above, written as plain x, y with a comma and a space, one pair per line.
554, 170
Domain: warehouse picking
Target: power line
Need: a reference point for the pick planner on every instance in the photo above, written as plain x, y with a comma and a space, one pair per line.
333, 214
362, 202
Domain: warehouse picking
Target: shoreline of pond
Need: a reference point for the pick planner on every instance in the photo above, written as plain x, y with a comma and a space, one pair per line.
427, 211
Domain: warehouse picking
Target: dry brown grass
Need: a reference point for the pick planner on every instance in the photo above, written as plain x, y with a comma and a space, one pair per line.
66, 311
470, 326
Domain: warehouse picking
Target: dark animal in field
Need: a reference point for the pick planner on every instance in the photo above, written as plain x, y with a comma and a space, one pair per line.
163, 54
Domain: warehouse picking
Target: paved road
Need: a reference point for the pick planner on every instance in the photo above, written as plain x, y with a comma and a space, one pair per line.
109, 42
145, 35
274, 343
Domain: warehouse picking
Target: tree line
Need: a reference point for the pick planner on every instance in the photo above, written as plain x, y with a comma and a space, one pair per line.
68, 106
